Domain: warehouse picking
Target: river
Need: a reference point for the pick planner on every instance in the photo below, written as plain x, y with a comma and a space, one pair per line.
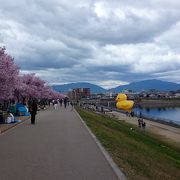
165, 114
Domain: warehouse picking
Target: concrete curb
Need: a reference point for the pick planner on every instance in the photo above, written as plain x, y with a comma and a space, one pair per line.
113, 165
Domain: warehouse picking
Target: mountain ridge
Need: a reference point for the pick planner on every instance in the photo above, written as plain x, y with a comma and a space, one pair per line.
134, 86
68, 87
147, 85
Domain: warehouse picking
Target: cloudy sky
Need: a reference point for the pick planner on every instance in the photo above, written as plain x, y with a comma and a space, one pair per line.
106, 42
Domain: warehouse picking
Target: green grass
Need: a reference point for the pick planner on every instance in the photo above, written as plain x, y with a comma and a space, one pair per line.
139, 154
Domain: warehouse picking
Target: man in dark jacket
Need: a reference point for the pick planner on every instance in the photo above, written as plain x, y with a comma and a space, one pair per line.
33, 111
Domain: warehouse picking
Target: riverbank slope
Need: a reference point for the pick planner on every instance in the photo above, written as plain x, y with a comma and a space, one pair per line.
138, 153
168, 132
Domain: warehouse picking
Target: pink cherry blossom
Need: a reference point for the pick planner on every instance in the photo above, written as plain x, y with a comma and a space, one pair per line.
13, 85
8, 75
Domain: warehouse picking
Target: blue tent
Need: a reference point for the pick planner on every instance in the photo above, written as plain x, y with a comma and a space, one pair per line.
22, 110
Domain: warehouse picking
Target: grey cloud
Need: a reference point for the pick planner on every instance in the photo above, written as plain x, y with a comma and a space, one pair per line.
113, 68
83, 23
127, 41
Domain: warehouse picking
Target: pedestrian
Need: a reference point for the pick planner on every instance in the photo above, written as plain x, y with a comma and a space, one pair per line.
72, 105
65, 102
139, 122
132, 113
55, 104
60, 101
144, 125
33, 111
142, 121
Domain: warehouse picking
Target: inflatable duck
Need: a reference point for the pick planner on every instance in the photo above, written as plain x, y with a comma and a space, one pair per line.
123, 103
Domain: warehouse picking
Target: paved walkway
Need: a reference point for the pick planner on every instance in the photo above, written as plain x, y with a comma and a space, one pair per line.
57, 147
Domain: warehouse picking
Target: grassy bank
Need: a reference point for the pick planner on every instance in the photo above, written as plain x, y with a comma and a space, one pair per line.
140, 155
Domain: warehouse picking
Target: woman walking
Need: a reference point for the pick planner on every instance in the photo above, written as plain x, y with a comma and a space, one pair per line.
33, 111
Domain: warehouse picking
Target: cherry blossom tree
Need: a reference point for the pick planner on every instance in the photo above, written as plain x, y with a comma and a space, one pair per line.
32, 86
9, 72
26, 86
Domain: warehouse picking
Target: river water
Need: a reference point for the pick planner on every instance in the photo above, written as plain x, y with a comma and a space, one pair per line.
165, 114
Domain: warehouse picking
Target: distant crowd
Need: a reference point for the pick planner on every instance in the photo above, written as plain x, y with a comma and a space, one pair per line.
8, 111
62, 102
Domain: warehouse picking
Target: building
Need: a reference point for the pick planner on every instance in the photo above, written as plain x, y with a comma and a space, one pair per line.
79, 93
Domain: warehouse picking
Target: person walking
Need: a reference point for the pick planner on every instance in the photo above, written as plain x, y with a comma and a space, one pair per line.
144, 125
65, 102
55, 104
139, 122
33, 111
72, 105
60, 101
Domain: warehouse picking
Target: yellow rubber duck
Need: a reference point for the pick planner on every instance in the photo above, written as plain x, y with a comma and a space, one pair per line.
123, 103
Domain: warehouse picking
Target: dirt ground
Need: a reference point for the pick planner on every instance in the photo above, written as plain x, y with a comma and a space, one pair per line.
5, 127
168, 132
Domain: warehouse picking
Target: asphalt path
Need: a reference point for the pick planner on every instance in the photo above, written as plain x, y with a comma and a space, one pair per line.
57, 147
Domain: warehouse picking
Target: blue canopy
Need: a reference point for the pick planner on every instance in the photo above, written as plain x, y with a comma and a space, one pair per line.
22, 110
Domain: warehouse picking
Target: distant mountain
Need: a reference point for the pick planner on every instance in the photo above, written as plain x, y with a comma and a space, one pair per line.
67, 87
135, 86
147, 85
